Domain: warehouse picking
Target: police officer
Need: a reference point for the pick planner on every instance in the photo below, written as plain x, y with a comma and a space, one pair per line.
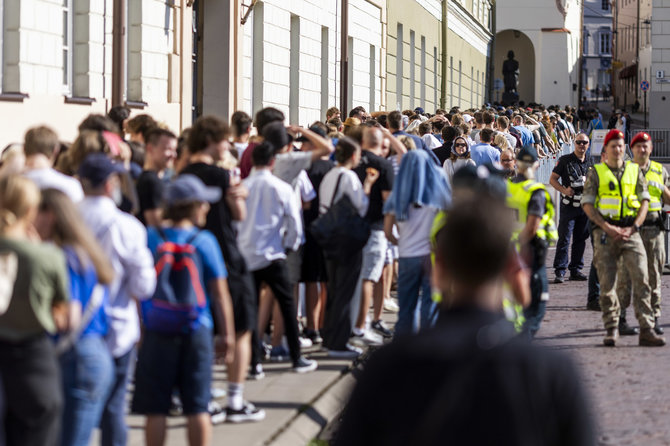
651, 230
571, 170
534, 231
616, 200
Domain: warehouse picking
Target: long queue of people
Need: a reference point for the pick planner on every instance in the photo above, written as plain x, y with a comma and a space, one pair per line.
138, 254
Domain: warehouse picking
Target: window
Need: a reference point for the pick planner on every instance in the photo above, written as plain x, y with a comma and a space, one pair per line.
373, 76
294, 71
604, 43
451, 81
399, 67
412, 68
67, 46
605, 5
423, 72
435, 87
324, 70
460, 83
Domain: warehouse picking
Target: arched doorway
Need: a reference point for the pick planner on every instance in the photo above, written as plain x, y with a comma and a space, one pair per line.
524, 52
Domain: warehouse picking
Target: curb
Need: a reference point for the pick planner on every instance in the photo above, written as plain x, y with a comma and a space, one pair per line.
313, 417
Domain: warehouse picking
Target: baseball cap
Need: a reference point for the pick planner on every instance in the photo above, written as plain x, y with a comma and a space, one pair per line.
188, 188
527, 154
318, 129
419, 110
275, 133
611, 135
97, 167
640, 137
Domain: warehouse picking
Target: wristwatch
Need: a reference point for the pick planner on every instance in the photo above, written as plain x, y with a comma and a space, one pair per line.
636, 227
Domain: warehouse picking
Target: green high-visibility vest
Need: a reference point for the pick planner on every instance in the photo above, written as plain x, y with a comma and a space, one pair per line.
518, 197
655, 184
617, 199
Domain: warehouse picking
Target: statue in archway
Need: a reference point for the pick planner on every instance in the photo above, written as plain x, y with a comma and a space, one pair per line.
510, 73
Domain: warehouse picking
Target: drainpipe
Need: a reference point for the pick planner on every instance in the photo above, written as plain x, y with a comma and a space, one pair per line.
581, 58
637, 51
119, 52
443, 83
344, 58
492, 45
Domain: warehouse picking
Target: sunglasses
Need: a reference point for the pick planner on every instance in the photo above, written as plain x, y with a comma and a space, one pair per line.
460, 145
581, 143
507, 160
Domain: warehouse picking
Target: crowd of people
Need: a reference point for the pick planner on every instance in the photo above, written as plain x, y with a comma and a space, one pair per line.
136, 253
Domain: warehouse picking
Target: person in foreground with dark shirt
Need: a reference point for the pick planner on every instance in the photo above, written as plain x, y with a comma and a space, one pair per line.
469, 380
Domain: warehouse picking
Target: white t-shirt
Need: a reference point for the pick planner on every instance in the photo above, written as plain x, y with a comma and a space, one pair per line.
240, 147
349, 184
431, 141
49, 178
414, 240
288, 165
450, 167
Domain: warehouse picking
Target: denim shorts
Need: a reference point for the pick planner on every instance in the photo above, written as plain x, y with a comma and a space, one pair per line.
167, 362
374, 254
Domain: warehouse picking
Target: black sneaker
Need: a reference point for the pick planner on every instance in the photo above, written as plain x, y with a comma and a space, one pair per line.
248, 412
381, 328
313, 335
304, 365
578, 276
216, 412
593, 305
559, 279
256, 372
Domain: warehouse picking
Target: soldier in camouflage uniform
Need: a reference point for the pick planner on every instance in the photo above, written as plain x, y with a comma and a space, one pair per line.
651, 231
616, 200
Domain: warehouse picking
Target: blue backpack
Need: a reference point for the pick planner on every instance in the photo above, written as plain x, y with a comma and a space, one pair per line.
180, 295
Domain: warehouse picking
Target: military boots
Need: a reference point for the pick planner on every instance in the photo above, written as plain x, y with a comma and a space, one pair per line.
657, 327
611, 337
625, 329
650, 339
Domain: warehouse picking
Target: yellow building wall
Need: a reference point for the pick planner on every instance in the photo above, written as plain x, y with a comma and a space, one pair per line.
467, 88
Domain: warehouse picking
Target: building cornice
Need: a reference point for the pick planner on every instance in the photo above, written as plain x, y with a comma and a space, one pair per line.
471, 21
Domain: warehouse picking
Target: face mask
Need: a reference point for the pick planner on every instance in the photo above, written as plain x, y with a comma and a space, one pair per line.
117, 196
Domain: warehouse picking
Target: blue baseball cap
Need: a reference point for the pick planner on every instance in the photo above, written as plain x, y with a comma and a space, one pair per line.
188, 188
97, 167
419, 110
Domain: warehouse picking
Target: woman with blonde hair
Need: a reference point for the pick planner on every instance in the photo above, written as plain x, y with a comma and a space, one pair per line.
86, 363
500, 142
33, 306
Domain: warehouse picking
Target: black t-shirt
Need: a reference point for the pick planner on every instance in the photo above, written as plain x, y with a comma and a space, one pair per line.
316, 172
219, 219
150, 191
462, 392
443, 152
384, 183
571, 169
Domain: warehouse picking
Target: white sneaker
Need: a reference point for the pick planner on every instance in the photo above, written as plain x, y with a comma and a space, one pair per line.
390, 305
350, 352
305, 342
367, 338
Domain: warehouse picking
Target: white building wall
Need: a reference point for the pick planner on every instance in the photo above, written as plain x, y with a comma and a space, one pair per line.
364, 28
659, 96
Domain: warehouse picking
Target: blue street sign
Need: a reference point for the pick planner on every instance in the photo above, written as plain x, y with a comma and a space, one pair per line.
644, 85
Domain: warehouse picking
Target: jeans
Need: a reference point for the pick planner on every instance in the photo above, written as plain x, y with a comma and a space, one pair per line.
573, 223
594, 283
113, 421
87, 376
414, 277
539, 290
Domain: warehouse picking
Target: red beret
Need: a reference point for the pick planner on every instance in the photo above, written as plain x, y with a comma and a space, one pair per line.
640, 137
613, 134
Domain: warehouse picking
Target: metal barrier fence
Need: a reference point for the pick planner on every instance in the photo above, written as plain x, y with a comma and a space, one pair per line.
547, 164
661, 143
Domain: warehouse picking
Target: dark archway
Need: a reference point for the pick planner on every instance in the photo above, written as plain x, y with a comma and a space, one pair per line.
524, 52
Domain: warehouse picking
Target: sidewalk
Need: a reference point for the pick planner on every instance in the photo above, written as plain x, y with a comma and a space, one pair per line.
283, 395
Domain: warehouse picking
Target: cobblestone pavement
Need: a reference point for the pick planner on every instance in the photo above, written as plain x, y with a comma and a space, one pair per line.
629, 385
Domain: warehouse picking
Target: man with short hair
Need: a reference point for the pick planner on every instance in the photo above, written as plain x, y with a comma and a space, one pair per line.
471, 366
273, 226
616, 200
123, 239
241, 124
358, 112
374, 251
41, 147
571, 170
484, 152
651, 232
502, 125
526, 135
332, 112
396, 126
161, 151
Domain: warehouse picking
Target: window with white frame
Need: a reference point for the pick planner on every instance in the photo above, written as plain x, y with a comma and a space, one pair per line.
67, 46
605, 43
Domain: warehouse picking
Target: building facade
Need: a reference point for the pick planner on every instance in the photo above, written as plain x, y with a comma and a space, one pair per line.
545, 36
659, 79
632, 50
597, 51
179, 59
